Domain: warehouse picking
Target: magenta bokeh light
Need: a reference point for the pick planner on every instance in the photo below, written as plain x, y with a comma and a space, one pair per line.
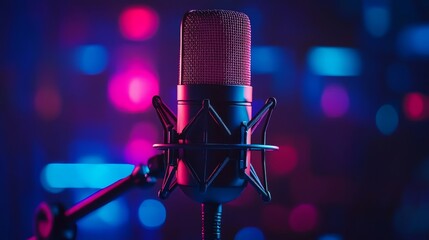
283, 161
335, 101
414, 105
138, 151
303, 218
132, 90
138, 23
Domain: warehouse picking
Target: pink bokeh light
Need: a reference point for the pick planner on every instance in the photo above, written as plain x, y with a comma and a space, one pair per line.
138, 23
414, 106
132, 90
303, 218
283, 161
335, 101
138, 151
47, 102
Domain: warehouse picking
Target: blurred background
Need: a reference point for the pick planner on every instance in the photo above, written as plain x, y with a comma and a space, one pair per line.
351, 80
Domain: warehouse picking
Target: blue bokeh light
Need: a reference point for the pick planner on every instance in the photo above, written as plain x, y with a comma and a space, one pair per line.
152, 213
267, 59
112, 215
386, 119
413, 41
278, 63
330, 237
82, 175
334, 61
376, 20
249, 233
312, 88
91, 59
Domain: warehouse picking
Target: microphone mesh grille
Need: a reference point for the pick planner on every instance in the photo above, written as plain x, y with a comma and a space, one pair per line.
215, 48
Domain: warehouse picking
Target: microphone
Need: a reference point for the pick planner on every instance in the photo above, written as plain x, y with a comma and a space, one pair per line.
208, 146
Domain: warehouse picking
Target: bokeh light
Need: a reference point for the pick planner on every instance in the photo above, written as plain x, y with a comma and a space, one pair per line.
45, 182
303, 218
386, 119
335, 101
132, 90
267, 59
111, 216
138, 22
284, 161
331, 236
91, 59
376, 20
114, 213
414, 106
47, 102
413, 41
139, 150
82, 175
249, 233
334, 61
152, 213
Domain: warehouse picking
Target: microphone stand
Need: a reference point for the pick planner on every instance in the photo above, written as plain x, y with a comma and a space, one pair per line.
211, 216
211, 212
53, 222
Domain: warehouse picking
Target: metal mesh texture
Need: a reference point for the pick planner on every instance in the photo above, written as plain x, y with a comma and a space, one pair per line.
215, 48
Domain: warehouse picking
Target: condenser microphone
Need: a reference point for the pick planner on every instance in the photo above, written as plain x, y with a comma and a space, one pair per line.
208, 146
214, 72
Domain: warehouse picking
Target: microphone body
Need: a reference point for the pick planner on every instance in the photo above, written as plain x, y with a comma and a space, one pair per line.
207, 147
215, 66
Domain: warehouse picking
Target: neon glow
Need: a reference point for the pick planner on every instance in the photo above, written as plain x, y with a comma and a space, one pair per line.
47, 102
248, 233
386, 119
138, 23
152, 213
91, 59
132, 91
376, 20
414, 106
82, 175
335, 101
139, 150
303, 218
413, 41
334, 61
